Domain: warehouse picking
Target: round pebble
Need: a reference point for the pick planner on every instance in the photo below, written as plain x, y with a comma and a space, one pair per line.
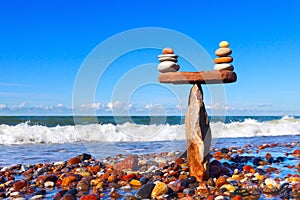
227, 59
162, 59
167, 51
168, 66
223, 66
223, 52
168, 55
224, 44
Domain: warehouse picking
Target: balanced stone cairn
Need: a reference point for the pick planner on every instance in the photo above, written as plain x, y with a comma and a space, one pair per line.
168, 61
223, 62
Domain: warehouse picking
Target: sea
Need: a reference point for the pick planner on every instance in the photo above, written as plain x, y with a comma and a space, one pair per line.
46, 139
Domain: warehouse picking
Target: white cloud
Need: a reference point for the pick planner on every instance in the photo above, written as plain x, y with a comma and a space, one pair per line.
60, 105
118, 106
149, 106
91, 106
22, 105
179, 107
2, 106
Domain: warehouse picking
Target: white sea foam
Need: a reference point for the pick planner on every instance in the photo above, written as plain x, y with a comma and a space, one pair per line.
25, 133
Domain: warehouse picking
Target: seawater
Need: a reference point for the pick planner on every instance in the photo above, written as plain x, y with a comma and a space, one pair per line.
32, 139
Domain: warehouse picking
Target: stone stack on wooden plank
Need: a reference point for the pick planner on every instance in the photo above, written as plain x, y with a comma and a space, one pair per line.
223, 62
198, 134
168, 61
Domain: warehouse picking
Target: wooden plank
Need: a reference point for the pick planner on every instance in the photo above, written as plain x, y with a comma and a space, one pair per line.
203, 77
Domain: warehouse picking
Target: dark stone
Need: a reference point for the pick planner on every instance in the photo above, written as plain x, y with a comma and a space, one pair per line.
226, 164
144, 180
84, 156
280, 159
225, 150
145, 191
191, 179
223, 190
184, 183
172, 196
256, 161
215, 162
158, 173
40, 192
60, 194
73, 192
242, 192
285, 191
261, 171
270, 160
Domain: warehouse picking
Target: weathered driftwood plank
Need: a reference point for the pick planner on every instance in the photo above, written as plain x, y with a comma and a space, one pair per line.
204, 77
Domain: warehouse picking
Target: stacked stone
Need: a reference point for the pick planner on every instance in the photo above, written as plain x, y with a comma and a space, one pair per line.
223, 62
168, 61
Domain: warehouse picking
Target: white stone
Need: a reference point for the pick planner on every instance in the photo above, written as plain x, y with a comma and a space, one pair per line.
219, 198
171, 154
223, 66
39, 196
59, 163
167, 55
14, 194
168, 66
4, 169
49, 184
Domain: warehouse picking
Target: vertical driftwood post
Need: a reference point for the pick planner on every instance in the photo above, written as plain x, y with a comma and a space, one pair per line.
198, 135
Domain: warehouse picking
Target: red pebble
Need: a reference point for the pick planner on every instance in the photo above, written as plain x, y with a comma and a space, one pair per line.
237, 197
19, 185
248, 168
89, 197
73, 161
167, 51
297, 152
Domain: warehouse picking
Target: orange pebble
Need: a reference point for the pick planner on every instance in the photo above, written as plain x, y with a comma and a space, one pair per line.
248, 168
237, 197
297, 152
167, 51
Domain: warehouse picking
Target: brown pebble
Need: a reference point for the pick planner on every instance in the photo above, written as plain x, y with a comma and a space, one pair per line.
221, 181
83, 186
178, 161
115, 195
19, 185
223, 52
74, 161
68, 197
227, 59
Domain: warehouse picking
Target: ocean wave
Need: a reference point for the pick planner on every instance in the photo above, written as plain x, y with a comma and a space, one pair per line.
24, 133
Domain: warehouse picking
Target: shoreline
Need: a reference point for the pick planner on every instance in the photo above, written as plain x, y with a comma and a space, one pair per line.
245, 172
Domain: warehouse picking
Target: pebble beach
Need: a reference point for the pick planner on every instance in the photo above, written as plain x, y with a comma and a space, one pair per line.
236, 172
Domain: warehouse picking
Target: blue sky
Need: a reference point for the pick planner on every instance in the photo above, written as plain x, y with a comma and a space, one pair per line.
44, 43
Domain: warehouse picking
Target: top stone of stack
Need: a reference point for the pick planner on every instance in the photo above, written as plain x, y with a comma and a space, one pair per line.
223, 44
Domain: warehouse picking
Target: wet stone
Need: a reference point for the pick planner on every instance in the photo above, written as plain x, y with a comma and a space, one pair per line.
145, 191
191, 179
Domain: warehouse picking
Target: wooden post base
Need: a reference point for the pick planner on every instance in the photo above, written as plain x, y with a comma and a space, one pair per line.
198, 135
